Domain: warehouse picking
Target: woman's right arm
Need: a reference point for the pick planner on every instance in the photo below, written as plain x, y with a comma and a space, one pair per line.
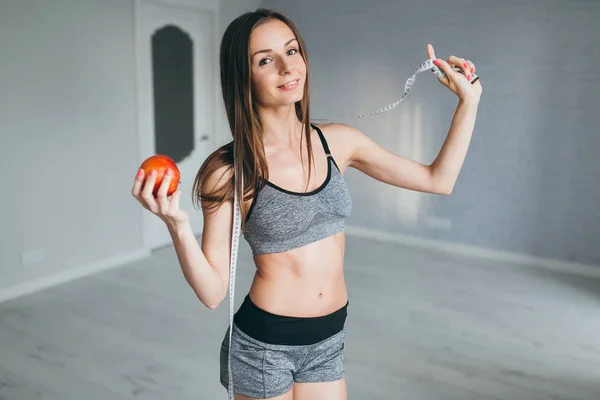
206, 269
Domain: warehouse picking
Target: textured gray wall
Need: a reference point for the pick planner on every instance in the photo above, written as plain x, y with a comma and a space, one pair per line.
529, 184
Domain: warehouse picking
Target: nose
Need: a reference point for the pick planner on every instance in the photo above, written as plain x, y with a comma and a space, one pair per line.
286, 67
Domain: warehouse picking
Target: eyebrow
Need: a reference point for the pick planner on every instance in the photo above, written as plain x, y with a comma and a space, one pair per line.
268, 50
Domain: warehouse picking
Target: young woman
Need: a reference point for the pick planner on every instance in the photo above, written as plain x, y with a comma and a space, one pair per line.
288, 335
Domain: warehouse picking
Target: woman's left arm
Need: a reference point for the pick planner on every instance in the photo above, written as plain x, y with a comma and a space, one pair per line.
441, 175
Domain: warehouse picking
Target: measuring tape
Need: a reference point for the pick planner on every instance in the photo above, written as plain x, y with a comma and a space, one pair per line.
235, 236
425, 66
237, 217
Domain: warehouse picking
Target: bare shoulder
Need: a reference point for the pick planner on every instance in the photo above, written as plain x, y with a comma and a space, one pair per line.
215, 173
217, 179
342, 139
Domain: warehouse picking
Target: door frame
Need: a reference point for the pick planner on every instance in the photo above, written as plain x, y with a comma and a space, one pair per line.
210, 8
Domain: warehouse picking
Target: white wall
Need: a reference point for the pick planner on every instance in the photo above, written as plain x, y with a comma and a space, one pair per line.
69, 147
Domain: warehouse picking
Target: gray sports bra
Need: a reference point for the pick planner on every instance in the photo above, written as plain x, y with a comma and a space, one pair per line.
280, 220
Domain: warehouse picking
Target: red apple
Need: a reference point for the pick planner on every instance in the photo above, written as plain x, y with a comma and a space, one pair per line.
160, 164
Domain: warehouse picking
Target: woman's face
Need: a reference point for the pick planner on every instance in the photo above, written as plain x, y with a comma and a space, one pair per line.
274, 61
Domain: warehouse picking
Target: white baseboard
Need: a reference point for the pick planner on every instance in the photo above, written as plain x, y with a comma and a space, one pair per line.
372, 234
460, 249
36, 285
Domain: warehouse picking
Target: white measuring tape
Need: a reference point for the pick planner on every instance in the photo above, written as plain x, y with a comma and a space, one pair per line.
235, 236
425, 66
237, 217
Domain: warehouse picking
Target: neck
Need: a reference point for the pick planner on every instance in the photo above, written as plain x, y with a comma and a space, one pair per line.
280, 125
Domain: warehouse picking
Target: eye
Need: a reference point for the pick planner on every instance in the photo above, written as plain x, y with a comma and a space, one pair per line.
260, 63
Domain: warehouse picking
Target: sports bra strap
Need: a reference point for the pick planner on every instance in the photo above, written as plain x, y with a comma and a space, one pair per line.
323, 141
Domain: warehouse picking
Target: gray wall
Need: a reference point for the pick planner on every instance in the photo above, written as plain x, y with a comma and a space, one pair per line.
69, 142
529, 185
530, 181
69, 135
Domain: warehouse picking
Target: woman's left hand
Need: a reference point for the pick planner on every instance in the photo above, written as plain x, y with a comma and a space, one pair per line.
458, 81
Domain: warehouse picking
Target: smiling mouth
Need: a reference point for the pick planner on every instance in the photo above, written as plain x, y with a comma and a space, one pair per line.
292, 83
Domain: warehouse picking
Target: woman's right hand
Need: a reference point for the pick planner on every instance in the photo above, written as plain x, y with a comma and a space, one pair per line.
166, 208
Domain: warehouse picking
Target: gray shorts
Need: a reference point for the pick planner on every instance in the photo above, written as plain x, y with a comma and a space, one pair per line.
263, 370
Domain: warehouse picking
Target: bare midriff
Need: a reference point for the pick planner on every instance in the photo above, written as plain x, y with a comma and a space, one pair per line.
304, 282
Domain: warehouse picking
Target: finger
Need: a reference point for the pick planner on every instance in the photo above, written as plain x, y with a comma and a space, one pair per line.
460, 63
175, 200
161, 194
137, 183
471, 66
147, 195
446, 69
430, 51
149, 183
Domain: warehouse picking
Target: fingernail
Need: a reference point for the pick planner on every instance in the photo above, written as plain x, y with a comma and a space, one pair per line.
437, 62
472, 69
140, 173
466, 65
469, 77
169, 172
153, 173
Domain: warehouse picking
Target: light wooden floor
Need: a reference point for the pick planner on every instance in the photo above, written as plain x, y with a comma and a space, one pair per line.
422, 325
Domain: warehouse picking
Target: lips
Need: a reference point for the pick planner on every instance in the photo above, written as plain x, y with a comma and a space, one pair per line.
289, 82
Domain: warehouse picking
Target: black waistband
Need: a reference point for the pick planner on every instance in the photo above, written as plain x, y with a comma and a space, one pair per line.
294, 331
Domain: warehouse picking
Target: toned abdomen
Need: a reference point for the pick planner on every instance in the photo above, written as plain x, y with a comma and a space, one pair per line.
305, 282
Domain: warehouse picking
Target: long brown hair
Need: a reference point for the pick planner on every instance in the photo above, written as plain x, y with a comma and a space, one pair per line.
245, 153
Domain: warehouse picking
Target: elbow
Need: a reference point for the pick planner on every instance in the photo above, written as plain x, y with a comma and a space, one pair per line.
212, 303
439, 185
444, 190
447, 192
210, 296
